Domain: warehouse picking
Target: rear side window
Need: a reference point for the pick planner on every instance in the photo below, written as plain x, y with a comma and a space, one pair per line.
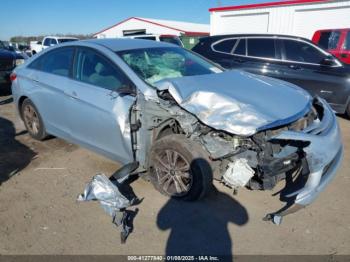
302, 52
225, 46
92, 68
329, 40
36, 64
347, 42
56, 62
259, 47
241, 47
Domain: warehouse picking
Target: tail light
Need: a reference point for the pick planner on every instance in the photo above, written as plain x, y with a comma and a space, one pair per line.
13, 77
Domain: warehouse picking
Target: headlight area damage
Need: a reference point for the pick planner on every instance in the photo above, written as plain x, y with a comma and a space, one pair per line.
248, 148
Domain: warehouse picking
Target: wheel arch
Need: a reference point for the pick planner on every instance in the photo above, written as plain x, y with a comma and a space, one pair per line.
170, 126
19, 105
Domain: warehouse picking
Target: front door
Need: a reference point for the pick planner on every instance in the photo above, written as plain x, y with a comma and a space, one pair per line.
99, 115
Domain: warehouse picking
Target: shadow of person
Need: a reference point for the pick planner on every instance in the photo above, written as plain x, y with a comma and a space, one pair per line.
201, 227
14, 156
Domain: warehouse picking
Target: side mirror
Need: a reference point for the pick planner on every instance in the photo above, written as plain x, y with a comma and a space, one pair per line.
11, 48
126, 90
328, 61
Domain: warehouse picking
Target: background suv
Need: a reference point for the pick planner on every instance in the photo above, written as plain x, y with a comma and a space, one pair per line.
293, 59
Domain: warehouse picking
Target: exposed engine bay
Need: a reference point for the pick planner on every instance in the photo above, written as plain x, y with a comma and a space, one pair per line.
266, 161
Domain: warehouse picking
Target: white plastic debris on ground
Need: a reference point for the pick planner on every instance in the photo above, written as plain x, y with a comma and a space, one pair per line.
238, 173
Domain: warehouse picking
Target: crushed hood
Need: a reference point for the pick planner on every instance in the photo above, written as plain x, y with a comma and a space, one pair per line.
238, 102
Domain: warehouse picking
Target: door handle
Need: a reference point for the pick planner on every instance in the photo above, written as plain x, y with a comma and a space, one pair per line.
35, 79
72, 94
295, 67
344, 55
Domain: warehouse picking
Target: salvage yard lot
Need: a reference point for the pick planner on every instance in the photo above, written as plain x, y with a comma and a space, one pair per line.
39, 213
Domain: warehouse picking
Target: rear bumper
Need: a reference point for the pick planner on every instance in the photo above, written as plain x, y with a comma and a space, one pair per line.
323, 155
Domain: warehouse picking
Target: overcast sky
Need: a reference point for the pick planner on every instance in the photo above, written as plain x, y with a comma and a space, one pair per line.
44, 17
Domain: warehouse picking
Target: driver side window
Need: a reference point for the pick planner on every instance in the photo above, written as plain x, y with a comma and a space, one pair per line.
92, 68
302, 52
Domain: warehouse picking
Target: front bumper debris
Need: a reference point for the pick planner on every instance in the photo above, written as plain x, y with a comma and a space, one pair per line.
323, 156
114, 198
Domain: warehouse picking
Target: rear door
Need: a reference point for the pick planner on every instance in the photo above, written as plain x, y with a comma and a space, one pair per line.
98, 114
263, 57
49, 77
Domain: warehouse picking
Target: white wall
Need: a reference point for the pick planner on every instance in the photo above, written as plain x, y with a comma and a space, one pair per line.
302, 20
134, 24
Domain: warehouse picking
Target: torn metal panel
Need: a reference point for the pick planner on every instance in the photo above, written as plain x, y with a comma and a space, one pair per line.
112, 201
102, 189
217, 146
238, 102
121, 111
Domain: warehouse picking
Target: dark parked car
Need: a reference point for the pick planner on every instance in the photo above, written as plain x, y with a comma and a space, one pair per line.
293, 59
9, 59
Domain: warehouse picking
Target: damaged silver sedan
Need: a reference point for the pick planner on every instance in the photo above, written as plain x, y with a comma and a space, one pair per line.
180, 120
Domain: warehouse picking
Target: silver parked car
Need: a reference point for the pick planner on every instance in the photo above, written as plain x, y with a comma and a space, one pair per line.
179, 119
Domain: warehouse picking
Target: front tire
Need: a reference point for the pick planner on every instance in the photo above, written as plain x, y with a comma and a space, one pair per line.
32, 120
180, 168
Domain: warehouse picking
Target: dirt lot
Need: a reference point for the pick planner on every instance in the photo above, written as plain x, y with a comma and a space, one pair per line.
39, 213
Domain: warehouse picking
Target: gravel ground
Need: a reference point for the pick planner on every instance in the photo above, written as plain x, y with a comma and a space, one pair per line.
39, 213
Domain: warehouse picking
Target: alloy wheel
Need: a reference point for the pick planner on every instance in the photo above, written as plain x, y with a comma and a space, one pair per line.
173, 173
31, 119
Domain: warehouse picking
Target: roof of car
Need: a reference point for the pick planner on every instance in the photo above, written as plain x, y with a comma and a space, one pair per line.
254, 35
121, 44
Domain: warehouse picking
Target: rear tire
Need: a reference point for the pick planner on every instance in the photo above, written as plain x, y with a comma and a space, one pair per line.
180, 168
32, 120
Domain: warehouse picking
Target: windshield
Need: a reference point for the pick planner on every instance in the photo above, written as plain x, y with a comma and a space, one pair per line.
155, 64
64, 40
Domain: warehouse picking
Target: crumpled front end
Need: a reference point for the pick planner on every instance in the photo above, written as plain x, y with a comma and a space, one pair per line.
323, 156
257, 132
308, 150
